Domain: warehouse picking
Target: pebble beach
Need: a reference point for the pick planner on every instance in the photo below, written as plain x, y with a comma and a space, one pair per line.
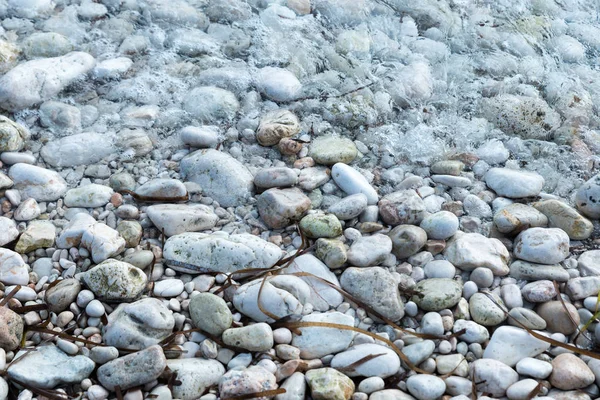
299, 199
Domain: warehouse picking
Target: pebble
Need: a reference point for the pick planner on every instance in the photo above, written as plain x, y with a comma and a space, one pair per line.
102, 241
164, 188
103, 354
403, 207
580, 288
560, 215
486, 312
535, 272
383, 366
12, 135
494, 376
570, 372
419, 352
27, 210
275, 177
168, 288
62, 294
521, 390
221, 176
11, 329
352, 182
330, 150
210, 313
245, 381
280, 208
53, 367
327, 383
88, 196
543, 246
586, 198
349, 207
210, 104
38, 235
437, 294
321, 225
369, 250
514, 183
276, 125
138, 325
38, 183
114, 280
534, 368
281, 300
539, 292
197, 375
469, 251
12, 268
441, 225
8, 230
316, 342
376, 287
474, 332
255, 337
332, 252
133, 369
425, 387
520, 316
517, 217
407, 240
439, 269
78, 149
556, 317
510, 345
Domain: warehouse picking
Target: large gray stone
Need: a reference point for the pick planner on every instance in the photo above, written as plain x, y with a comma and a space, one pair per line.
133, 369
80, 149
38, 183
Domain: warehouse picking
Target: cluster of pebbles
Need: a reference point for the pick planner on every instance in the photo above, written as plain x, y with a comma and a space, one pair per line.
343, 199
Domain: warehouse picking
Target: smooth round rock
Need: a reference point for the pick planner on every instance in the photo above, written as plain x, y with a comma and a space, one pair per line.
486, 312
210, 313
569, 372
426, 387
440, 225
513, 183
542, 245
556, 317
321, 226
407, 240
437, 294
329, 150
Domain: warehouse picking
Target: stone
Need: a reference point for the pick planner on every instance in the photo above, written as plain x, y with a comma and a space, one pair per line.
278, 84
13, 270
369, 250
134, 142
441, 225
38, 235
580, 288
494, 376
329, 150
322, 296
559, 318
255, 337
542, 245
60, 117
168, 287
91, 196
279, 296
386, 364
454, 364
349, 207
48, 367
486, 311
164, 188
375, 287
562, 216
35, 81
79, 149
474, 333
5, 181
311, 178
418, 352
275, 177
390, 394
407, 240
586, 198
138, 325
510, 345
38, 183
12, 135
316, 342
112, 68
113, 280
238, 382
72, 232
535, 368
469, 251
60, 295
570, 372
535, 272
329, 384
524, 317
8, 233
513, 183
280, 208
211, 104
521, 390
210, 313
195, 252
425, 387
403, 207
197, 375
46, 44
352, 182
221, 176
276, 125
517, 217
205, 136
539, 292
102, 241
133, 369
11, 329
448, 167
332, 252
174, 219
27, 210
131, 232
437, 294
295, 388
320, 225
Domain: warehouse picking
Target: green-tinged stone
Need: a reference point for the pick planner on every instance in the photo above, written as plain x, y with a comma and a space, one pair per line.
437, 294
321, 226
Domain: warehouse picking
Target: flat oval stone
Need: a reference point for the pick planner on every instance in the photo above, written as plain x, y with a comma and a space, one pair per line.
200, 136
559, 318
328, 383
317, 342
469, 251
407, 240
486, 312
210, 313
494, 376
386, 364
520, 316
513, 183
114, 280
440, 225
88, 196
275, 177
134, 369
371, 250
166, 188
570, 372
255, 337
517, 217
437, 294
197, 375
79, 149
349, 207
38, 183
180, 218
280, 208
329, 150
321, 225
510, 345
561, 215
403, 207
13, 270
535, 272
425, 387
